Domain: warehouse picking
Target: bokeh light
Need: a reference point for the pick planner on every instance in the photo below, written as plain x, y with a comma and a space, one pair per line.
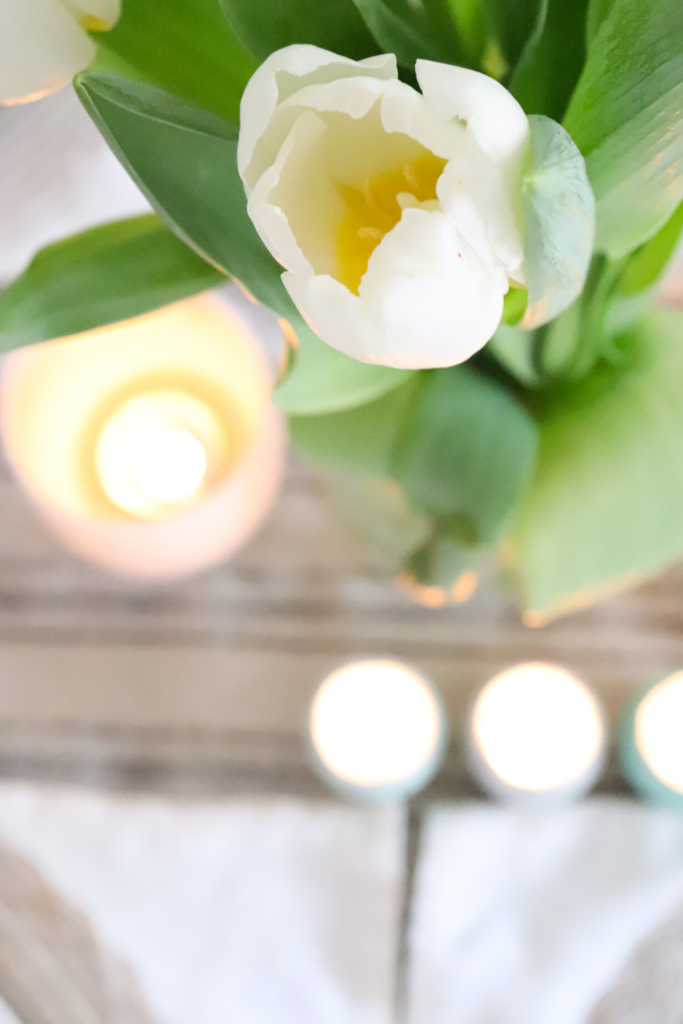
659, 731
537, 728
375, 723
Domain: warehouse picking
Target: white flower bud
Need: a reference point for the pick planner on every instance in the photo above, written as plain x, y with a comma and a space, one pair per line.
397, 214
43, 43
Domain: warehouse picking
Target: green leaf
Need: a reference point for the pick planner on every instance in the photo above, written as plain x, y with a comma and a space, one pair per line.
388, 529
101, 276
553, 59
185, 48
605, 506
572, 344
514, 305
267, 25
556, 344
360, 439
324, 380
640, 276
184, 160
512, 23
412, 30
469, 18
597, 12
648, 263
515, 351
442, 560
559, 212
625, 117
466, 453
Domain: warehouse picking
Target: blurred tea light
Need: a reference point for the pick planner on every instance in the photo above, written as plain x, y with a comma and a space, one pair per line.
536, 737
652, 742
149, 447
377, 731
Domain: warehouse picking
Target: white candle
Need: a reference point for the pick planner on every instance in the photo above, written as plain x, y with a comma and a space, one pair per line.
651, 743
536, 737
149, 447
377, 731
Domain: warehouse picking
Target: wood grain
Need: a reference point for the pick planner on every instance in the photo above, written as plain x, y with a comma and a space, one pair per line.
204, 684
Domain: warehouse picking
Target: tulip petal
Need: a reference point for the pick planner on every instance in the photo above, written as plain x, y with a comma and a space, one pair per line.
426, 300
357, 145
295, 206
473, 193
325, 142
98, 15
354, 97
283, 73
492, 114
42, 46
407, 111
481, 188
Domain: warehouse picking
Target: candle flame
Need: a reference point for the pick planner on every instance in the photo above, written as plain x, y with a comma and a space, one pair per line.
154, 453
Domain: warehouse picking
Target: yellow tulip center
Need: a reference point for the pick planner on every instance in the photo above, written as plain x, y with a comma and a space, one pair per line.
376, 207
91, 23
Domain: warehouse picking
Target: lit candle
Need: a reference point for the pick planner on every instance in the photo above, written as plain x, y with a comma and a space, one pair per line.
149, 447
651, 742
377, 731
536, 737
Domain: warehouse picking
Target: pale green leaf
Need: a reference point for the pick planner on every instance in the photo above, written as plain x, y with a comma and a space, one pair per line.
649, 263
515, 351
625, 117
606, 504
98, 277
376, 510
466, 452
559, 212
323, 380
360, 439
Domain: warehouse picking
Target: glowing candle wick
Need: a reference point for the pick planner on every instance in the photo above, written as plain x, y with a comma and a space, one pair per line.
167, 463
155, 452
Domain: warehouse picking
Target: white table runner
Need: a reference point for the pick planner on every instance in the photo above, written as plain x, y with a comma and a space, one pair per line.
253, 912
522, 920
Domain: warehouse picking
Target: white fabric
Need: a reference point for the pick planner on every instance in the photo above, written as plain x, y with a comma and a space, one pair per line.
58, 177
7, 1015
522, 920
284, 912
257, 912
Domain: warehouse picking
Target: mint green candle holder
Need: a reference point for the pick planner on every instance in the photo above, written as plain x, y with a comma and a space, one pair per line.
651, 742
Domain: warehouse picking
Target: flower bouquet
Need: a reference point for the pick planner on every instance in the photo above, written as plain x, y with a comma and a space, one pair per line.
459, 209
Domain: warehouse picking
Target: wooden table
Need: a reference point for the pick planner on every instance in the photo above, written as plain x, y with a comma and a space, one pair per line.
202, 686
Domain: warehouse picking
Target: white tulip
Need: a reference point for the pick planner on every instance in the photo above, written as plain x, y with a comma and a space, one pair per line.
43, 43
397, 214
